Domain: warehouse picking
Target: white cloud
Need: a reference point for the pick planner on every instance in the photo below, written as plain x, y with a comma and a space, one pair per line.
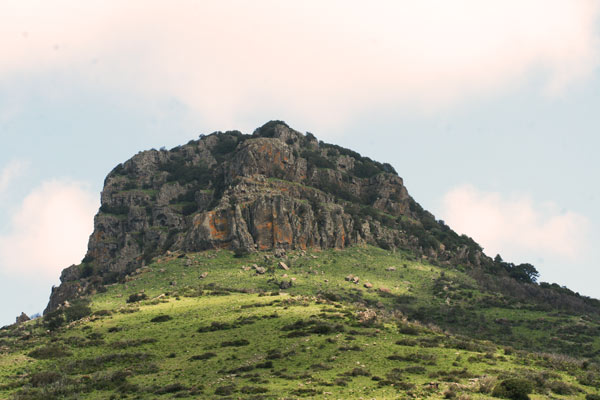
49, 231
516, 226
320, 60
10, 172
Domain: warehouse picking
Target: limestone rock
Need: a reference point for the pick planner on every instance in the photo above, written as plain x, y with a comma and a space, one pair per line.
283, 266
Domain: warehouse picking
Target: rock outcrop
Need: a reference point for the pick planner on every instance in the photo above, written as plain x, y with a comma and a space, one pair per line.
275, 189
22, 318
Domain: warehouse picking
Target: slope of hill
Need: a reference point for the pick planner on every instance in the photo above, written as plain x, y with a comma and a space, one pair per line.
213, 325
273, 265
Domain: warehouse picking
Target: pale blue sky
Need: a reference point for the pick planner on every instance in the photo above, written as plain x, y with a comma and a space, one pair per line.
493, 124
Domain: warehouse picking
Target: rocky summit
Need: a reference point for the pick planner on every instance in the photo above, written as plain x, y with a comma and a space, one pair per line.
274, 189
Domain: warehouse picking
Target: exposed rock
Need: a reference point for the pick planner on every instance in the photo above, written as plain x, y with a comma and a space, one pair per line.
383, 289
260, 270
22, 318
368, 285
203, 275
284, 266
390, 269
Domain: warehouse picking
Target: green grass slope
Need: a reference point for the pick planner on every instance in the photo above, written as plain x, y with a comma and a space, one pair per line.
208, 325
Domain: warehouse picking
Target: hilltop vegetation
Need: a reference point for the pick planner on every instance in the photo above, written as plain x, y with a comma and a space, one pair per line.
334, 324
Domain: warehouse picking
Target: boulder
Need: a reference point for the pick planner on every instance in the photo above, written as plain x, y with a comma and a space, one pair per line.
283, 266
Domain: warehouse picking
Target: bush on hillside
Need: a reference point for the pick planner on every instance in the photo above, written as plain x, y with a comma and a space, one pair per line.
513, 388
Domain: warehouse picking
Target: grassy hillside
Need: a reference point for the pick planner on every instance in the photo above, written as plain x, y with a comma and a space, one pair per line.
209, 325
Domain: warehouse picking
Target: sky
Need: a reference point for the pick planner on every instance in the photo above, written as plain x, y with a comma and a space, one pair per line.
488, 110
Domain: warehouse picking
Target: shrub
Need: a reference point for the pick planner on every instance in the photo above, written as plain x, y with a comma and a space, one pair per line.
225, 390
204, 356
135, 297
172, 388
592, 397
54, 320
240, 252
114, 209
561, 388
513, 388
253, 390
161, 318
78, 309
50, 351
316, 160
235, 343
87, 270
44, 378
358, 372
123, 344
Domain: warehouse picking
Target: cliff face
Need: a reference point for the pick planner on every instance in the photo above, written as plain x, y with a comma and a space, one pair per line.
275, 189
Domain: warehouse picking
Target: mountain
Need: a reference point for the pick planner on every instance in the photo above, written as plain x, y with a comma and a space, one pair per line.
275, 189
274, 265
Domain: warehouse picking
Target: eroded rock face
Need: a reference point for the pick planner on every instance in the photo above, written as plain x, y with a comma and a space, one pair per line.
275, 189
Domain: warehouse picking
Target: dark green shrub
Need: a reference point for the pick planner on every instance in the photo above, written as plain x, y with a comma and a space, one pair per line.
172, 388
114, 209
592, 397
265, 365
513, 388
124, 344
135, 297
50, 351
561, 388
111, 277
216, 326
54, 320
253, 390
240, 252
204, 356
102, 313
235, 343
268, 129
87, 270
77, 310
189, 209
227, 390
365, 169
161, 318
358, 372
44, 378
